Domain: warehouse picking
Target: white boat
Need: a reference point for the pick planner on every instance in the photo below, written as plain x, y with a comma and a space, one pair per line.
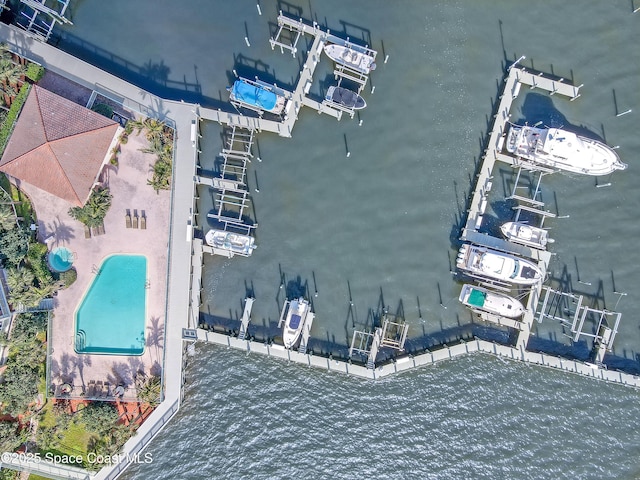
525, 234
350, 57
233, 243
559, 149
345, 97
478, 298
257, 96
497, 265
296, 318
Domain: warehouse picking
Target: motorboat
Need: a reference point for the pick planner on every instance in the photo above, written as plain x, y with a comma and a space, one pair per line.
258, 96
233, 243
345, 97
478, 298
562, 150
525, 234
295, 320
485, 262
351, 58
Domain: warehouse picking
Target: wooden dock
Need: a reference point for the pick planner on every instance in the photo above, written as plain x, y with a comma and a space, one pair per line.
246, 317
516, 78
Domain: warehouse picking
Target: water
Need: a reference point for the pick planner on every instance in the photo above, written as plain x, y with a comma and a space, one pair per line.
60, 259
112, 313
380, 229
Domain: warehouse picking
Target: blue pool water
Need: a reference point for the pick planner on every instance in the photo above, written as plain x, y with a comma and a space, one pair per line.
110, 319
60, 259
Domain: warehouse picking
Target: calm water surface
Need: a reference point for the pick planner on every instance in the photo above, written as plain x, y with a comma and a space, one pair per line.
379, 229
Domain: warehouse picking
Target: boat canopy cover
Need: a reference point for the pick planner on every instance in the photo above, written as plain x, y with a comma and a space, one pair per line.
253, 95
561, 143
345, 97
476, 298
295, 321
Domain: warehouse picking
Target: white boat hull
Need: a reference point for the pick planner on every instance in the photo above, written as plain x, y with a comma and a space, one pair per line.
233, 243
351, 58
478, 298
525, 234
496, 265
295, 321
562, 150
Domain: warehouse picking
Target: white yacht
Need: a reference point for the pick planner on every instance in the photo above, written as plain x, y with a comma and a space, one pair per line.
296, 318
525, 234
350, 57
497, 265
233, 243
563, 150
478, 298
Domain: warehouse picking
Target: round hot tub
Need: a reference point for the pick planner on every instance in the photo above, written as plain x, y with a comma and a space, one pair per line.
60, 259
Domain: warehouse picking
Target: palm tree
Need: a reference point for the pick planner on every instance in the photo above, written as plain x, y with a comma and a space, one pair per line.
19, 279
155, 130
137, 124
7, 218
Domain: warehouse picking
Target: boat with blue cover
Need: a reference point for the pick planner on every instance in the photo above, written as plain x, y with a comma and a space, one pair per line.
258, 96
296, 318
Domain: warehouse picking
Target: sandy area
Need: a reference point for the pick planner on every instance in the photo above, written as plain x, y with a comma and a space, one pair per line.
128, 185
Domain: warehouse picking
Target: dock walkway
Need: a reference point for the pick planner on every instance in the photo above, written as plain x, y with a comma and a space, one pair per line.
428, 358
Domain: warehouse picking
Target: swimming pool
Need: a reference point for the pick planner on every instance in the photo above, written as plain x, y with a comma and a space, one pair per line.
111, 317
60, 259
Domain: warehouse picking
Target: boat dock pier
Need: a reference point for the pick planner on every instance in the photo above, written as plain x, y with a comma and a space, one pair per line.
299, 97
513, 83
246, 317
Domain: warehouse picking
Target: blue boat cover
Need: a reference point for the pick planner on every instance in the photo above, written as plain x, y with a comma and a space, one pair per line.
295, 321
253, 95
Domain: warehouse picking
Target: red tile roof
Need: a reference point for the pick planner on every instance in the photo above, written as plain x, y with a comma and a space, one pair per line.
58, 146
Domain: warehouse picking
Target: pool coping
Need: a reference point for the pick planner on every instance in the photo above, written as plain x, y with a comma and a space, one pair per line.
86, 292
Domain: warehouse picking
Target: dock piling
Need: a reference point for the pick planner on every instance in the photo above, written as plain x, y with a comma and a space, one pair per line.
246, 40
259, 11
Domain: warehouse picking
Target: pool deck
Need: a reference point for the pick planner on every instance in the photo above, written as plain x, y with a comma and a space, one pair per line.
53, 222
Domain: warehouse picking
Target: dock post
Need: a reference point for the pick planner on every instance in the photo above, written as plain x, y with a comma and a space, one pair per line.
623, 113
246, 40
259, 11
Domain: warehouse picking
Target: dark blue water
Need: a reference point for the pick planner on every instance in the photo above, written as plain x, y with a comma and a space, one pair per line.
379, 229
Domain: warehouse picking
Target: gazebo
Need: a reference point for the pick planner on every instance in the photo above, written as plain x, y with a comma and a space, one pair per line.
59, 146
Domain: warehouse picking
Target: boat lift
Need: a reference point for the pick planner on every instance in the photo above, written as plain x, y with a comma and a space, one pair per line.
568, 309
38, 27
541, 171
231, 206
391, 334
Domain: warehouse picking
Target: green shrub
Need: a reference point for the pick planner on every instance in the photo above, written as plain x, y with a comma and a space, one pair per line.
103, 109
34, 72
93, 212
16, 107
13, 246
67, 278
37, 258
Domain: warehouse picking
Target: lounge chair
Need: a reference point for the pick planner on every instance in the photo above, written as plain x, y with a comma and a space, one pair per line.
96, 231
128, 219
87, 232
101, 229
143, 222
135, 221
